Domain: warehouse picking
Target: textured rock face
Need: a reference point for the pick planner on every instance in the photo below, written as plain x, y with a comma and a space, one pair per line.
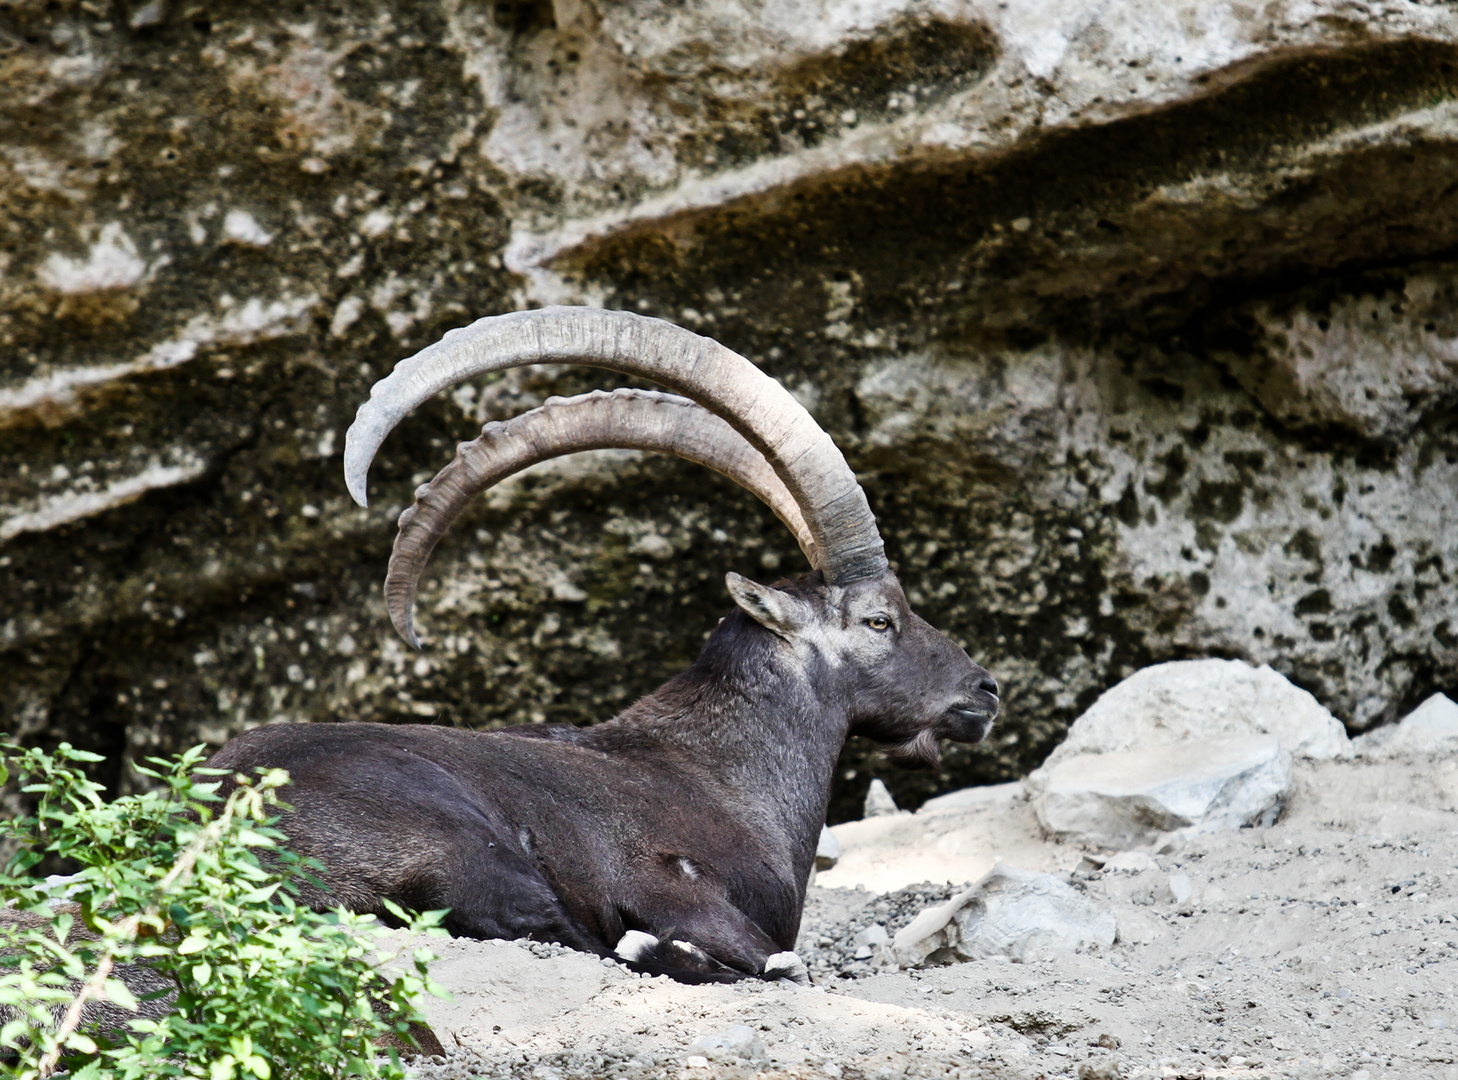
1135, 318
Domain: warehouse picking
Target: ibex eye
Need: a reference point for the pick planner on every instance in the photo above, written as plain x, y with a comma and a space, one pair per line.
878, 622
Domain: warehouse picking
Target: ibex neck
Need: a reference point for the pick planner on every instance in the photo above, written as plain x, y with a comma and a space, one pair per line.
751, 709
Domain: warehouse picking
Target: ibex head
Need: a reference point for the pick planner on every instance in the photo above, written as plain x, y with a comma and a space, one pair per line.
902, 681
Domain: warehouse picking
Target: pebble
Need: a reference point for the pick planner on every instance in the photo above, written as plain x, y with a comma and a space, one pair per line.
879, 802
1180, 888
735, 1041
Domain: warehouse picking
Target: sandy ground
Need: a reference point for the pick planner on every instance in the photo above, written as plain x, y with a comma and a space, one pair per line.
1326, 945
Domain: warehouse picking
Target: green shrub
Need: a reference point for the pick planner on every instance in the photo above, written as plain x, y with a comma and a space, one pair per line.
176, 928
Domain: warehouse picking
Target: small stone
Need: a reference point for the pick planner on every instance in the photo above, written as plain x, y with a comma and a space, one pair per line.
1131, 862
827, 850
149, 14
1100, 1070
735, 1041
879, 802
696, 1061
1180, 888
241, 227
873, 935
652, 545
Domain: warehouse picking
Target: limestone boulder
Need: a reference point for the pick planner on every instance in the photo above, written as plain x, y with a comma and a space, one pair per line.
1011, 913
1201, 700
1431, 728
1129, 798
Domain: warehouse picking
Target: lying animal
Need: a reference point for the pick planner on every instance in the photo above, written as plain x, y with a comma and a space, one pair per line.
679, 834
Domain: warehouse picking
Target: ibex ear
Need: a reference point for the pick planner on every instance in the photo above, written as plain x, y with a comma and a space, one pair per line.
776, 611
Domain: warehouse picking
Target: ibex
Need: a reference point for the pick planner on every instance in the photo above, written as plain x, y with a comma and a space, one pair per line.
680, 834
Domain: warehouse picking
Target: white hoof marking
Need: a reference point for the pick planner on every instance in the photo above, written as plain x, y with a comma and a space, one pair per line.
692, 951
634, 945
787, 967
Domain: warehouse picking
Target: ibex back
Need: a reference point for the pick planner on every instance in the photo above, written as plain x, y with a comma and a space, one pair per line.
680, 834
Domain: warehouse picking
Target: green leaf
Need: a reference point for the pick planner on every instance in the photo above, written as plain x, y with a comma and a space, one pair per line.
395, 909
118, 993
202, 973
82, 1043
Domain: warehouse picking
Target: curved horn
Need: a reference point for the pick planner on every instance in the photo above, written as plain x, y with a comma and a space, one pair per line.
759, 408
624, 419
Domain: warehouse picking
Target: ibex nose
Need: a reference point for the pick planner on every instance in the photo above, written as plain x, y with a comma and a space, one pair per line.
989, 684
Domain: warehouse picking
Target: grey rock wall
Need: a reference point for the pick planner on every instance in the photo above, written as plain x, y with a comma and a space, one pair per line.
1136, 319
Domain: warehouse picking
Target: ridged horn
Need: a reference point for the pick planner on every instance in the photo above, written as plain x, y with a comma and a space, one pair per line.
622, 419
760, 409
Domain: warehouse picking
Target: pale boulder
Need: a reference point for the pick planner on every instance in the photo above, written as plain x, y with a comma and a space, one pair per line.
1189, 746
1012, 913
1430, 728
1204, 699
1131, 798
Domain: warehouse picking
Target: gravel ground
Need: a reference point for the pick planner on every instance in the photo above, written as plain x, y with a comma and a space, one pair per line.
834, 929
1324, 946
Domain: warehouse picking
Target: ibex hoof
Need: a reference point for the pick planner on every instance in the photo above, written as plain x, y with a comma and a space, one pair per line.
693, 956
786, 967
635, 945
